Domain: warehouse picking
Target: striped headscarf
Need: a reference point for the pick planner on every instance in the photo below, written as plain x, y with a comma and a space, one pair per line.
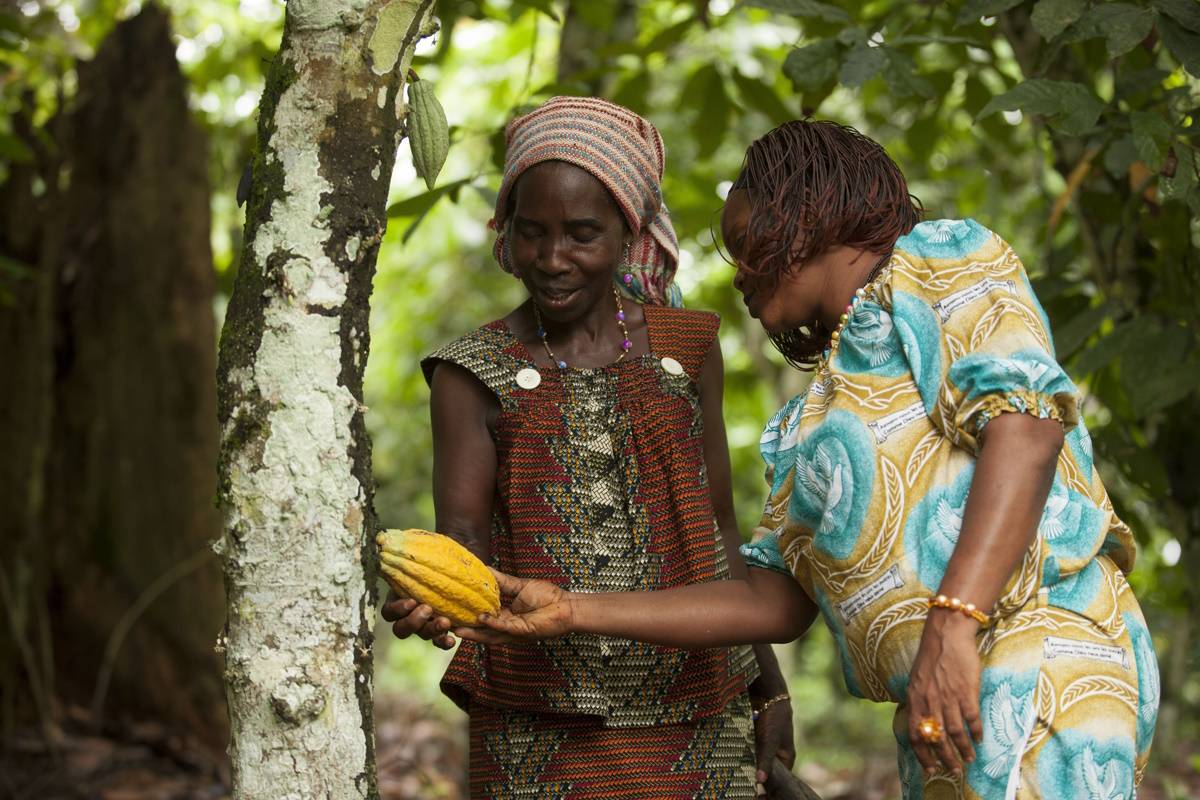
625, 153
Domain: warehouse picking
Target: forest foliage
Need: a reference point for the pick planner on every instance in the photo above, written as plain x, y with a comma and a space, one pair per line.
1068, 126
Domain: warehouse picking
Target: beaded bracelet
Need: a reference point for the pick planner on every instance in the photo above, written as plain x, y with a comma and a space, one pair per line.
954, 604
779, 698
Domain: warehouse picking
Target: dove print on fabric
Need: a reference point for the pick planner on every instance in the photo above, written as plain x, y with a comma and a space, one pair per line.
944, 238
1077, 765
933, 527
1149, 688
1007, 711
834, 474
870, 344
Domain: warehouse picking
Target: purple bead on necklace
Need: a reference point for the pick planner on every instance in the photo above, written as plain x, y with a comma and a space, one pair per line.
626, 344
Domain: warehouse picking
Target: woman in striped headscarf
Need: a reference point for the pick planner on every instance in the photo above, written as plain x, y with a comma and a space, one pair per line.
579, 439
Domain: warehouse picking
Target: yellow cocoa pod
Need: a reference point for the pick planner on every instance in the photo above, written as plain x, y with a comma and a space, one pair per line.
436, 570
428, 133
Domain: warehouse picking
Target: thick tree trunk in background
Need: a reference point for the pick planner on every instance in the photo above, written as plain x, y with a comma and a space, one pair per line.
295, 484
110, 439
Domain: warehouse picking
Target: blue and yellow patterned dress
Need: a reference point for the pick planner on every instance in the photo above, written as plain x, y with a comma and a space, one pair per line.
869, 472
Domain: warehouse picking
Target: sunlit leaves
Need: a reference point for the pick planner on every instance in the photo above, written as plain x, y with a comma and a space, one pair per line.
1072, 107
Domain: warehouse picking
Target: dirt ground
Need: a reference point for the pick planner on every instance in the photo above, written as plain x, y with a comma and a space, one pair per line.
420, 757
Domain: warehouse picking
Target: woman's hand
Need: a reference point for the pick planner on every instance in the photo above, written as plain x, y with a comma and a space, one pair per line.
944, 686
537, 610
774, 739
408, 617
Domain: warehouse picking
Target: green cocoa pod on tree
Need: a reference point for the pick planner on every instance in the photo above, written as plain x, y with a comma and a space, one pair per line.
428, 133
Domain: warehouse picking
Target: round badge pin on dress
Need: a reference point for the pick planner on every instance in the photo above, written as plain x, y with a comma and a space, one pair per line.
671, 366
528, 378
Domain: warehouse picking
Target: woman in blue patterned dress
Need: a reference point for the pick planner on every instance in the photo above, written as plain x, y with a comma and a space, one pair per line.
932, 493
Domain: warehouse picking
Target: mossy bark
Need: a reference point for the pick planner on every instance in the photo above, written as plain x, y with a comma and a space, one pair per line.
295, 465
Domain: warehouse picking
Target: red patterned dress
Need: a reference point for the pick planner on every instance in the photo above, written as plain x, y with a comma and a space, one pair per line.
601, 486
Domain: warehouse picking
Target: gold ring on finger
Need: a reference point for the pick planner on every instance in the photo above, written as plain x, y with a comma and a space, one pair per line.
930, 730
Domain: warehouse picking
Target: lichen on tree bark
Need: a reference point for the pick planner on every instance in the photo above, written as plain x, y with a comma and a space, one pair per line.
295, 458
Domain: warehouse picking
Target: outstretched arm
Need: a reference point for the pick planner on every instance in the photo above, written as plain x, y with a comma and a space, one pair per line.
766, 607
773, 729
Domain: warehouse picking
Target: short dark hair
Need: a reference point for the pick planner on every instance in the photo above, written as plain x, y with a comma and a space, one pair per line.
813, 185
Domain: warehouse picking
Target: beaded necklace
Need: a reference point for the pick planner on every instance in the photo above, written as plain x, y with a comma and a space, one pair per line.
626, 344
875, 279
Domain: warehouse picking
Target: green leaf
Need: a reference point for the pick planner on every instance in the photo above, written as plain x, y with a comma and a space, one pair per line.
1070, 106
762, 98
812, 66
14, 269
900, 73
692, 94
546, 7
1151, 359
1182, 43
667, 38
1122, 25
421, 203
1151, 136
975, 96
1166, 388
1119, 156
1069, 337
1052, 17
705, 92
1185, 12
1136, 83
12, 23
802, 8
1100, 354
598, 16
1185, 173
854, 34
862, 63
633, 91
932, 39
14, 149
975, 9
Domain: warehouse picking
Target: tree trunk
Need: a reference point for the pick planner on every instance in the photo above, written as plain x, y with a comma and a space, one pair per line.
295, 484
110, 439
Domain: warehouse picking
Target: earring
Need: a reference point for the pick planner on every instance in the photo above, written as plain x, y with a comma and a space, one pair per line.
628, 277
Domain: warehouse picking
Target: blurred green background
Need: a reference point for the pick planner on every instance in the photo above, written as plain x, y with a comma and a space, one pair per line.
1067, 126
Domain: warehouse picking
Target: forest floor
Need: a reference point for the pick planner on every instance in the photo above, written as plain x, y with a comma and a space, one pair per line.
421, 756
